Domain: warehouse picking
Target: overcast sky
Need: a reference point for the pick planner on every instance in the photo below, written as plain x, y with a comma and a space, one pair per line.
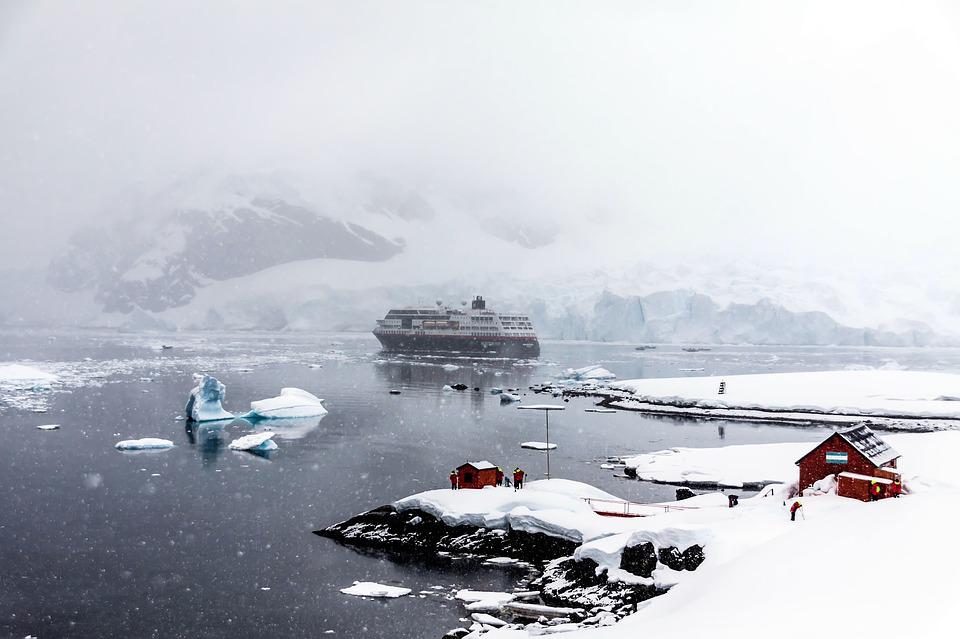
770, 129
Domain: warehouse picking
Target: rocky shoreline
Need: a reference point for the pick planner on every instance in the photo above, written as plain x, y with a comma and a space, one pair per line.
571, 591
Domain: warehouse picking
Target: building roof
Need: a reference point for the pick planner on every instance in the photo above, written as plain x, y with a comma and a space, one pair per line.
479, 465
866, 442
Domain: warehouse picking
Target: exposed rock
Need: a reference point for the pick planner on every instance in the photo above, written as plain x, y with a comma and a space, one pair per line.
639, 560
682, 493
692, 557
418, 531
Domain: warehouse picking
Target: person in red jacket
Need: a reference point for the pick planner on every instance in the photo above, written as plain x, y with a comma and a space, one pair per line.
517, 478
793, 510
453, 480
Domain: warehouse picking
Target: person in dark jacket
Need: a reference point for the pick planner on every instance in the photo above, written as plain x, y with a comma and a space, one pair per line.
518, 478
499, 476
453, 480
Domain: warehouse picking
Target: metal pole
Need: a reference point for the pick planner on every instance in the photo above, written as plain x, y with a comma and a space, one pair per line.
546, 414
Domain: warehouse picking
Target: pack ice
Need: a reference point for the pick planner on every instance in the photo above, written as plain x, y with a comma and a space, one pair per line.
204, 403
587, 373
291, 402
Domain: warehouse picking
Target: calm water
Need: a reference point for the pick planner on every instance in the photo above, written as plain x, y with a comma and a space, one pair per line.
203, 541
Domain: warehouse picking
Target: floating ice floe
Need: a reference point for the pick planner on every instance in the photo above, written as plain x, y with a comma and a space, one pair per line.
447, 388
373, 589
538, 445
147, 443
509, 398
292, 402
496, 390
450, 367
204, 403
255, 442
48, 426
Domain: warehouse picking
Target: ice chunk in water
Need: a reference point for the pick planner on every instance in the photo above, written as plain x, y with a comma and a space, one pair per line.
147, 443
291, 402
256, 441
372, 589
204, 404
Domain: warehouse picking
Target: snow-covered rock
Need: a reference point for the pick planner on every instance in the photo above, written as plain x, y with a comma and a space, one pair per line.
254, 442
205, 401
292, 402
373, 589
147, 443
48, 427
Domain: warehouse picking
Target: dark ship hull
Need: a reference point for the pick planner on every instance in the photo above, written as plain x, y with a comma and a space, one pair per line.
490, 346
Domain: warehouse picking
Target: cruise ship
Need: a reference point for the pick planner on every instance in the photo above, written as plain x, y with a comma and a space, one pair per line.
477, 330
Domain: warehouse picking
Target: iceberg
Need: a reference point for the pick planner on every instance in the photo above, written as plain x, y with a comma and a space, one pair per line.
204, 404
291, 402
255, 442
147, 443
594, 372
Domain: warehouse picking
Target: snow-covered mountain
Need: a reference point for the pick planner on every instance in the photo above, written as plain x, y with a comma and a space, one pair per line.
251, 252
179, 242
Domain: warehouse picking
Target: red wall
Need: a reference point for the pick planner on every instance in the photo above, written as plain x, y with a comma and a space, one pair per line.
814, 466
479, 478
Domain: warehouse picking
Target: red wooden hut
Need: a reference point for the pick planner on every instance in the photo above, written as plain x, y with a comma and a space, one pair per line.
477, 475
856, 451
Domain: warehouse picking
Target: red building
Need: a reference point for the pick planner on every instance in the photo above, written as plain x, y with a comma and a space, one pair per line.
856, 451
477, 475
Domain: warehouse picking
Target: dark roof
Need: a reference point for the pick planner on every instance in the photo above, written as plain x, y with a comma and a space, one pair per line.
864, 440
867, 442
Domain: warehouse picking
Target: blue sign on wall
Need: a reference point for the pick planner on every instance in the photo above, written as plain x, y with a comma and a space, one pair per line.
836, 458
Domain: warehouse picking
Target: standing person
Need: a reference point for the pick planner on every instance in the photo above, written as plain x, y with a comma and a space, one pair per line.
793, 510
453, 480
876, 490
517, 478
499, 476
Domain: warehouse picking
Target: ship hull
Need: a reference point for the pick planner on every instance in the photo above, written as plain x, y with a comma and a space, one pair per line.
488, 346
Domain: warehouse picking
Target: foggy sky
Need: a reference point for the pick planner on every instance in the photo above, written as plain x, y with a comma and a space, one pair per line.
775, 130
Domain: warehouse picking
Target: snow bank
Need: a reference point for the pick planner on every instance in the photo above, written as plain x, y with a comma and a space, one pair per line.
204, 403
147, 443
883, 393
783, 580
926, 462
292, 402
373, 589
256, 442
